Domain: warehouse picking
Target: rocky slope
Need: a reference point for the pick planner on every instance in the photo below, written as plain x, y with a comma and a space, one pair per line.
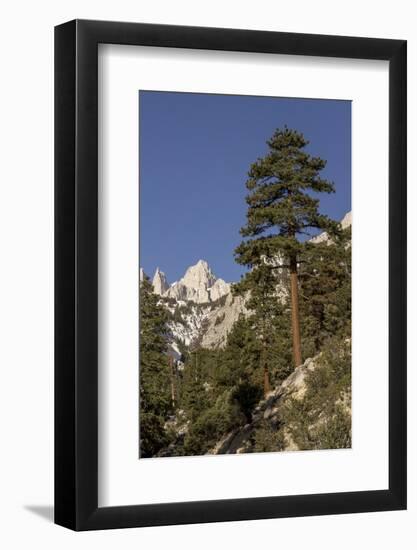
187, 324
219, 322
239, 441
267, 415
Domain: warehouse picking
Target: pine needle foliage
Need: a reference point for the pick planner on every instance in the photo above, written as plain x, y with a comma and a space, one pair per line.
281, 206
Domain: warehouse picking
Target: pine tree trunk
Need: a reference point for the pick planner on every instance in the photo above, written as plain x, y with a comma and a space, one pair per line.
295, 316
267, 385
171, 369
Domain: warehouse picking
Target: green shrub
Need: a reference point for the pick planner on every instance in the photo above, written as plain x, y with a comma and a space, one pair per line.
322, 419
267, 439
212, 424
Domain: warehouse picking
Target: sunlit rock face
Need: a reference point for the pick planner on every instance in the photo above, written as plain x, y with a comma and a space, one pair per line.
199, 285
346, 221
159, 282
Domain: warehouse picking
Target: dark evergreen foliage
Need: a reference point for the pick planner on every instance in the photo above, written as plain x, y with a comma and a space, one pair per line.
325, 291
155, 397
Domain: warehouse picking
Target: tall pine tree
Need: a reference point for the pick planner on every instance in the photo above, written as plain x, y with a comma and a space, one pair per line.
262, 286
281, 208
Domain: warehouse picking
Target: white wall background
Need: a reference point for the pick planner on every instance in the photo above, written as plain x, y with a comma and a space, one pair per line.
26, 273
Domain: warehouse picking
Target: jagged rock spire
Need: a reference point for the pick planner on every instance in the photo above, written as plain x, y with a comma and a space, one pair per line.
159, 282
199, 284
199, 276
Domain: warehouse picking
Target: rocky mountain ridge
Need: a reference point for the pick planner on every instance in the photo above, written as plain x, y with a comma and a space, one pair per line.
201, 306
294, 387
199, 285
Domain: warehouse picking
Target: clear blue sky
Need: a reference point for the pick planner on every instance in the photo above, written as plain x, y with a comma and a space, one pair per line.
195, 152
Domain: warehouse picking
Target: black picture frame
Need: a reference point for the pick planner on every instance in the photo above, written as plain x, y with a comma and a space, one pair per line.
76, 273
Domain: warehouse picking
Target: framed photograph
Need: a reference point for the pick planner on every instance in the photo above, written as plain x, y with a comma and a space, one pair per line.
230, 284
